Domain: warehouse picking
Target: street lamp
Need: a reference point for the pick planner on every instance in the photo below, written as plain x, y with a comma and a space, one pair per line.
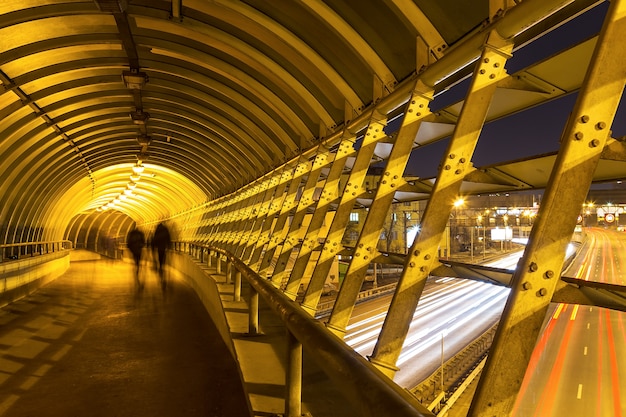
459, 202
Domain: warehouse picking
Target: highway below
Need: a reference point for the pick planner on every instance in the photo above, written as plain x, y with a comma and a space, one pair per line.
578, 368
452, 312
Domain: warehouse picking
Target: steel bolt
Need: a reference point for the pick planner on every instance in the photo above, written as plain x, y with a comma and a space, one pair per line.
527, 285
533, 267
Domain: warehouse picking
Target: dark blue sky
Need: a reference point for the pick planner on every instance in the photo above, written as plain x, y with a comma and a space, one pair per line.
531, 132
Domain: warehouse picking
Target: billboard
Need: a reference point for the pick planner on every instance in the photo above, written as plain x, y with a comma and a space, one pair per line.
499, 234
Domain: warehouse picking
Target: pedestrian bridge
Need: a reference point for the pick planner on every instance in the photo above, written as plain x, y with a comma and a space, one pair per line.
275, 139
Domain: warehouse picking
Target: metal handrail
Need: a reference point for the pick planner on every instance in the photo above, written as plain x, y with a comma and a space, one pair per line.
361, 383
37, 248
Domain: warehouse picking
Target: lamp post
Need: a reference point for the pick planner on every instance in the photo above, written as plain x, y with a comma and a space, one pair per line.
459, 202
506, 225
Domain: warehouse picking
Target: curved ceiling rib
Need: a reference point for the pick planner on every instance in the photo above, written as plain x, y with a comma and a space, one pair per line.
221, 94
288, 50
235, 59
413, 16
335, 23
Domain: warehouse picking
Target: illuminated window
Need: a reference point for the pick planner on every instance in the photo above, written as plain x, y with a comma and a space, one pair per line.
354, 217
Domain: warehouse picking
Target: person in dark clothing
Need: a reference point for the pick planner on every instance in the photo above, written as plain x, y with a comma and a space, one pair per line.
136, 242
161, 242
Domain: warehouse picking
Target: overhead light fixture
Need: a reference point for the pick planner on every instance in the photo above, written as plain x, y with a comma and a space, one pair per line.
135, 177
139, 117
135, 80
128, 192
132, 185
138, 168
123, 197
143, 156
144, 140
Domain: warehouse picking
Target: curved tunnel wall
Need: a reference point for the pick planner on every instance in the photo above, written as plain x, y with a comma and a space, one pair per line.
207, 101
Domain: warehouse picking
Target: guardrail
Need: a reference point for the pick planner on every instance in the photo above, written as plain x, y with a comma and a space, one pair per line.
16, 251
360, 382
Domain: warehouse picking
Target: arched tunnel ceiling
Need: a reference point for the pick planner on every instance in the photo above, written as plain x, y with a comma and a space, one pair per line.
217, 93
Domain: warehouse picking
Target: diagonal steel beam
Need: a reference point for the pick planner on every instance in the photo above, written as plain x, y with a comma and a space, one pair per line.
323, 158
279, 230
536, 276
392, 178
456, 162
270, 209
250, 218
352, 190
260, 210
314, 232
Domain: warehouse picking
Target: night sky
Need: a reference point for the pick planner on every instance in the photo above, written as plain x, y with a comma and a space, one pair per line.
534, 131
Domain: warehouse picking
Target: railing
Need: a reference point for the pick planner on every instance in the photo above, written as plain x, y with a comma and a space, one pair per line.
368, 390
16, 251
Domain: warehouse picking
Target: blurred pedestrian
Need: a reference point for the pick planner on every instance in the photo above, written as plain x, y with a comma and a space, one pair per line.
161, 242
136, 242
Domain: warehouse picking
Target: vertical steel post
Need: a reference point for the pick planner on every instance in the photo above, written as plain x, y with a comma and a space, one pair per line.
253, 314
237, 289
293, 404
229, 271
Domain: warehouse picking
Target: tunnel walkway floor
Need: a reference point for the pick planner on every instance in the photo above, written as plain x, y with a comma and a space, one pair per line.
92, 344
